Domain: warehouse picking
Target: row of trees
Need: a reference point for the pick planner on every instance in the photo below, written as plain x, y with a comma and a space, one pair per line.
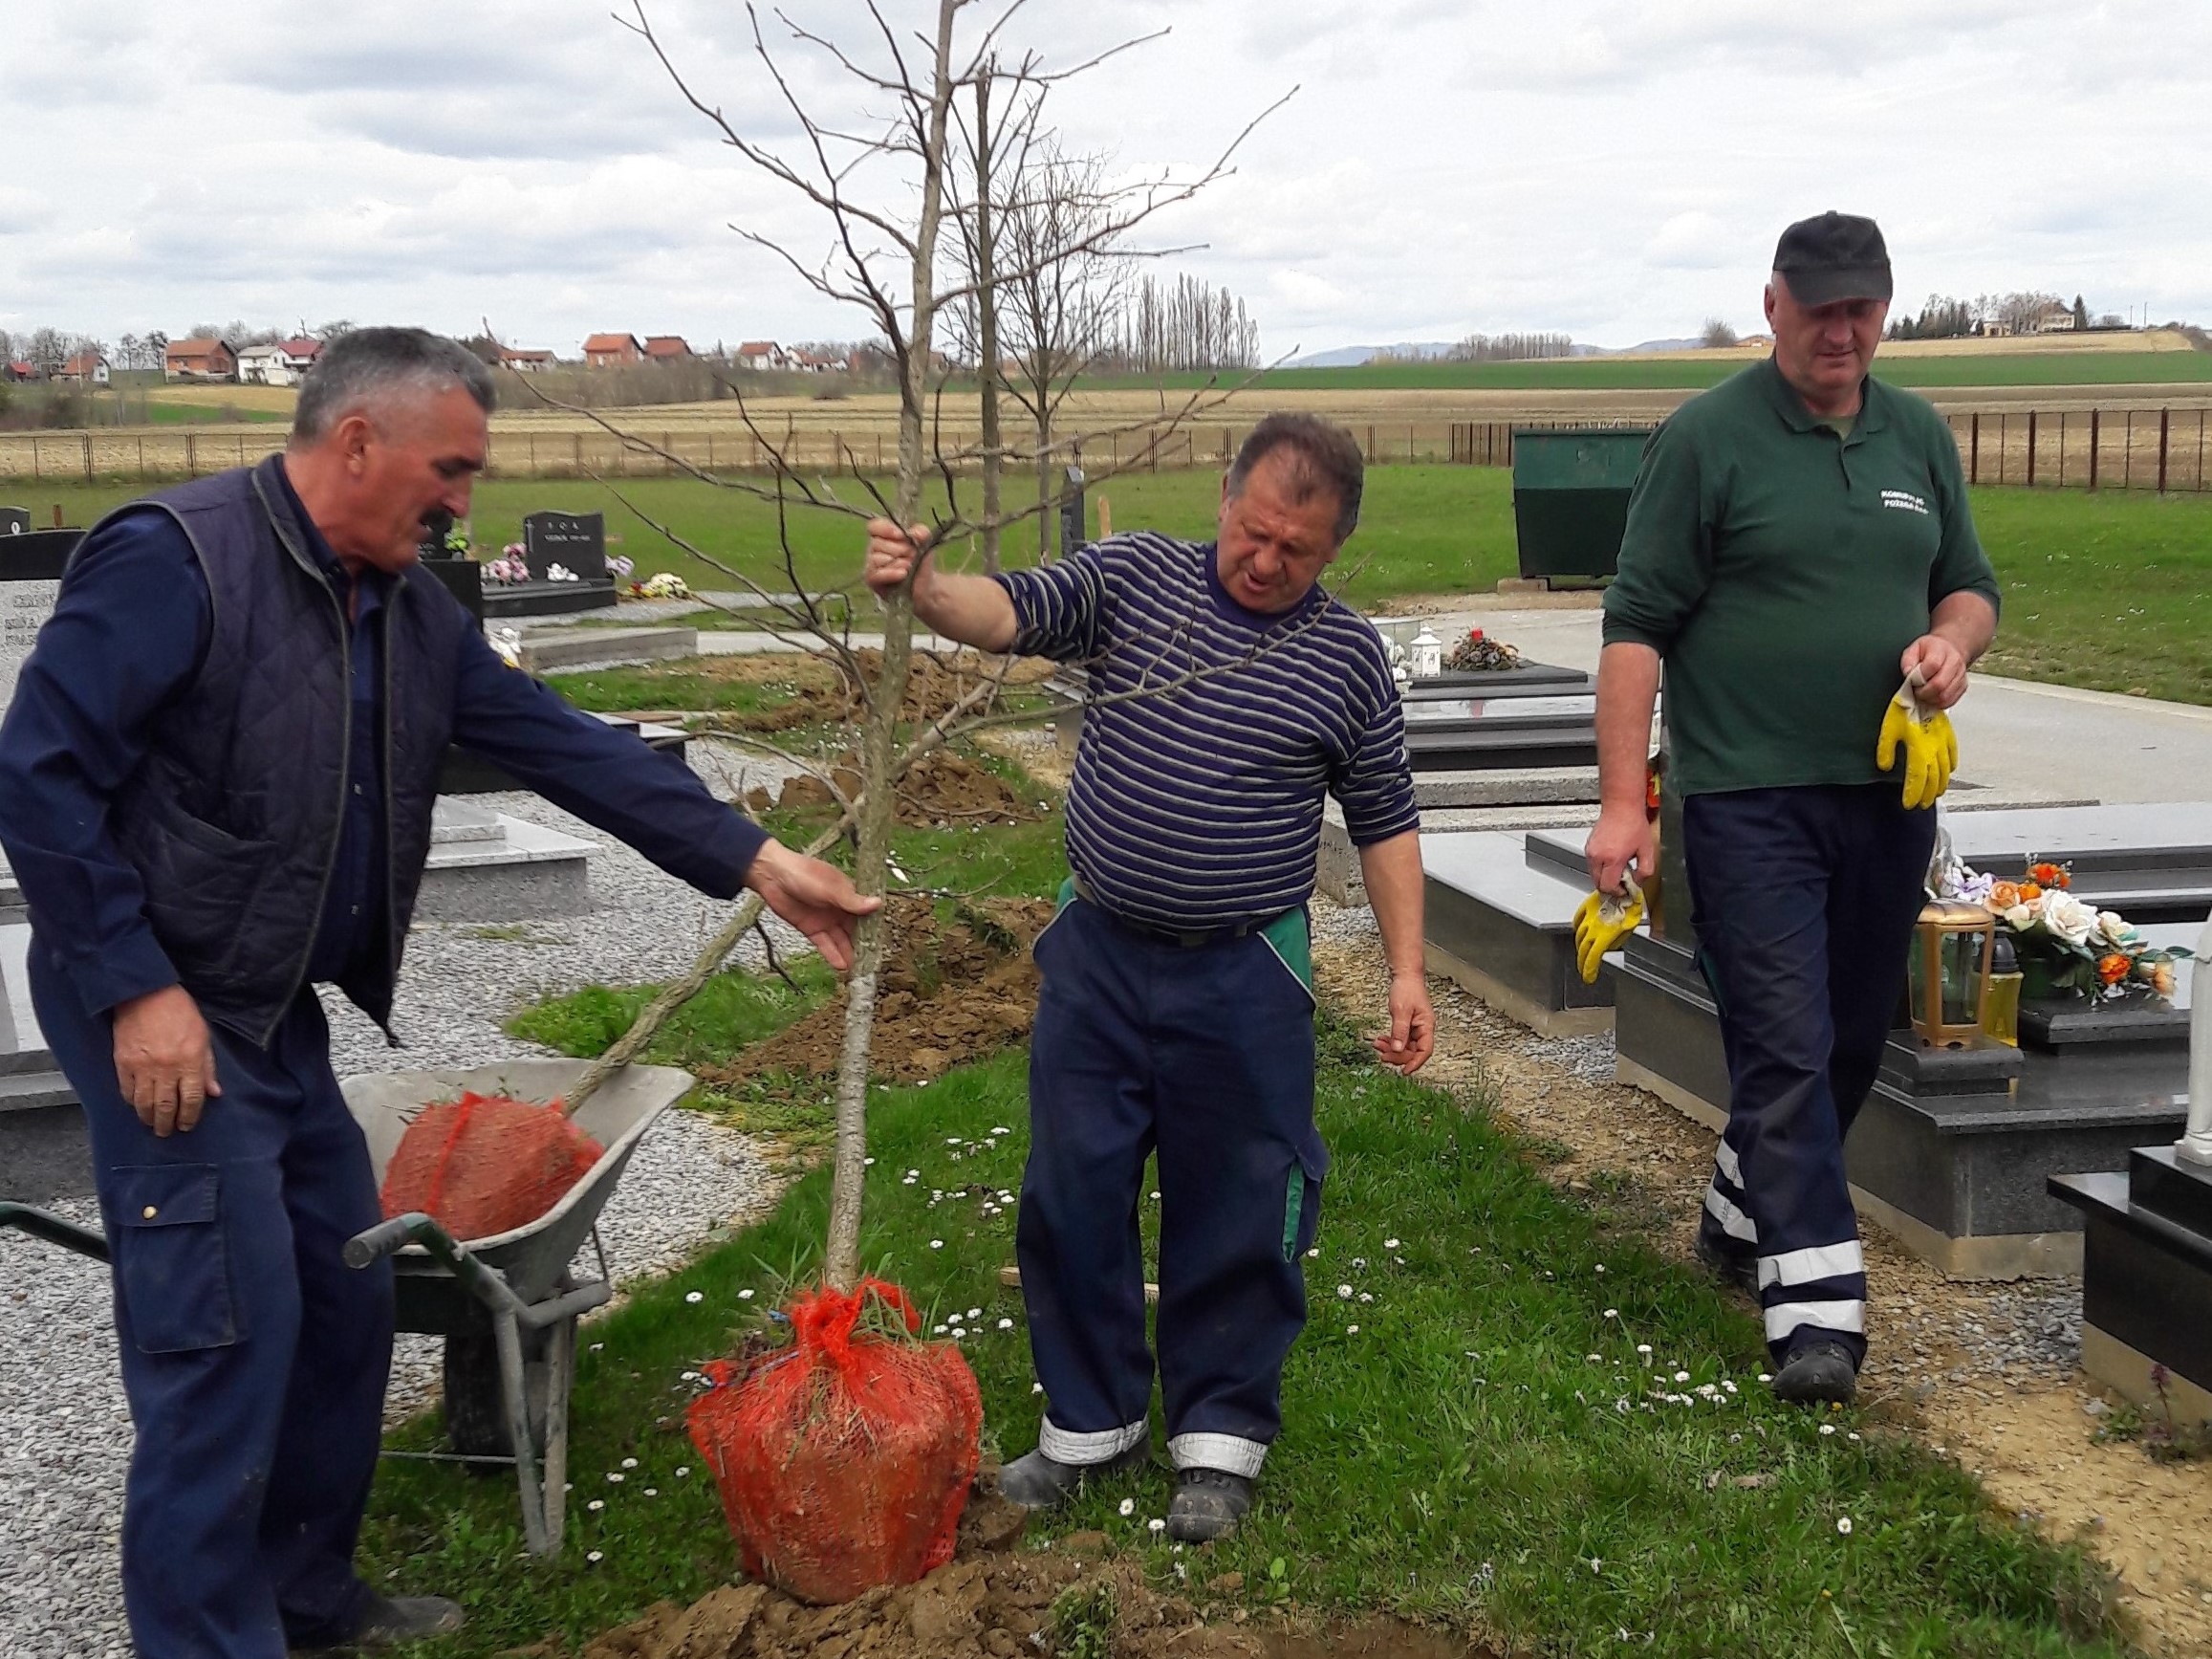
1946, 317
48, 348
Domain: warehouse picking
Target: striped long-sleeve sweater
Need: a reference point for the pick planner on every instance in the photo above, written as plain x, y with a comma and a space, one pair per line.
1212, 732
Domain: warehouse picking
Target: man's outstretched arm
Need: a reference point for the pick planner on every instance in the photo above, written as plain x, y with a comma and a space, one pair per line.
651, 800
973, 609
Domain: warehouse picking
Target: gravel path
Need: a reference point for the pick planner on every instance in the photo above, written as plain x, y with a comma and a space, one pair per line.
64, 1431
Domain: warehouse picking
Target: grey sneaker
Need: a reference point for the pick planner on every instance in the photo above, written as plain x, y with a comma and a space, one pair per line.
1817, 1373
1035, 1481
1208, 1503
388, 1621
1738, 1272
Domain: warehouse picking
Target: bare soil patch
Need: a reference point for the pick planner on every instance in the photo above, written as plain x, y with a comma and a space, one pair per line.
953, 992
997, 1600
944, 789
1985, 1374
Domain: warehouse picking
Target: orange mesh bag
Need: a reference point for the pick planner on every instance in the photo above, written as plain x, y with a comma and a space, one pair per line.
486, 1163
844, 1460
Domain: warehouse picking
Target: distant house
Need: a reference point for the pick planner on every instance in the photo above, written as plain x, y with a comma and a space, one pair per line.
265, 365
815, 362
87, 368
613, 351
667, 348
2055, 320
763, 354
200, 360
527, 362
19, 370
300, 354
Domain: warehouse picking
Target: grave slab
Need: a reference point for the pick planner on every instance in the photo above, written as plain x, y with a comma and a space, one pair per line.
575, 541
487, 866
550, 649
1502, 927
2147, 1280
1953, 1164
468, 773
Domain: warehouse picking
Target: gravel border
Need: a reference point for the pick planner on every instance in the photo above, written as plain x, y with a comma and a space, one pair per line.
64, 1427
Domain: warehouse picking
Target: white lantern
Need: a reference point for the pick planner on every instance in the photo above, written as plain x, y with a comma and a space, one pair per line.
1428, 655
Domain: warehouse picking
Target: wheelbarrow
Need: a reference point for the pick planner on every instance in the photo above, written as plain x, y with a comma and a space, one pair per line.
508, 1304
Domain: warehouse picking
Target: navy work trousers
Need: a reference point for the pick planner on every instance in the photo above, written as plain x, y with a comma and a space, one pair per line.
253, 1359
1805, 901
1204, 1054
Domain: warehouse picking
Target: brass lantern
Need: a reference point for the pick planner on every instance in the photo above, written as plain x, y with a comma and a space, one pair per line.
1949, 979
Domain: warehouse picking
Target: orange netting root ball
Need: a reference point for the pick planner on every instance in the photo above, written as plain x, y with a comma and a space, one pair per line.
486, 1164
844, 1460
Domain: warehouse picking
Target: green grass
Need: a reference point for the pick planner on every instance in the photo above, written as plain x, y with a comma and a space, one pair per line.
666, 685
2107, 591
1458, 1459
2079, 368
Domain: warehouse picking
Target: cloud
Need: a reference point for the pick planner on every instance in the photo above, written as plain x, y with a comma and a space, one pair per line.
1614, 168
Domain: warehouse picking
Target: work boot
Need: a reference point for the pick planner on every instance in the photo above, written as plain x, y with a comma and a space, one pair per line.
1208, 1503
1817, 1373
388, 1621
1737, 1271
1035, 1481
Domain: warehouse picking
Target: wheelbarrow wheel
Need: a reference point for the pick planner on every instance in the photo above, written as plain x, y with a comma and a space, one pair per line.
476, 1399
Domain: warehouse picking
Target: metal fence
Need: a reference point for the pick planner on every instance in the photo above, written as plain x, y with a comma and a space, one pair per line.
2161, 450
714, 447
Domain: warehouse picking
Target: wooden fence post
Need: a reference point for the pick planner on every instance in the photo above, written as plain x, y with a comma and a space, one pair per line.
88, 462
142, 457
2165, 425
2031, 448
2128, 454
2095, 443
1973, 451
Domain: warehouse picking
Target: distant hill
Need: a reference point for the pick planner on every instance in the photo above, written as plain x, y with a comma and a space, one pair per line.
1352, 357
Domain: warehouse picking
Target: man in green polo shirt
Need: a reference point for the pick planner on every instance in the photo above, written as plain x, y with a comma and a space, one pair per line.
1798, 544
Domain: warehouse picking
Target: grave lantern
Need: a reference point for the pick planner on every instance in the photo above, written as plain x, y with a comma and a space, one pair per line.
1950, 971
1426, 654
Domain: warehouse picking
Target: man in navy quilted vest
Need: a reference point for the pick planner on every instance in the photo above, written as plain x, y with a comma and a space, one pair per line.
216, 780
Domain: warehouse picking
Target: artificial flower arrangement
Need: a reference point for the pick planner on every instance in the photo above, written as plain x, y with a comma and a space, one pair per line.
664, 586
1479, 653
2094, 952
508, 568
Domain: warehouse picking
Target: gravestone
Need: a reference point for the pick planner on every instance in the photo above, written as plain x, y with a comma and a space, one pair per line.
576, 542
31, 566
14, 520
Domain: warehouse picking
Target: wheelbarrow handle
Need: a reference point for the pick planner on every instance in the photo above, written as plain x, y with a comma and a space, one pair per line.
390, 1237
55, 1231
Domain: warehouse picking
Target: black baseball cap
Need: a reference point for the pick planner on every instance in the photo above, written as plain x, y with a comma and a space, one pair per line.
1835, 256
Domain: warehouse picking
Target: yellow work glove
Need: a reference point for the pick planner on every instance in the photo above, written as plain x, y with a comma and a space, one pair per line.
1931, 746
1601, 921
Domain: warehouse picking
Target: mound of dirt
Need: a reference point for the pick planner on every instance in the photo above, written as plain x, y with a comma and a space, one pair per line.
942, 789
934, 687
996, 1601
952, 992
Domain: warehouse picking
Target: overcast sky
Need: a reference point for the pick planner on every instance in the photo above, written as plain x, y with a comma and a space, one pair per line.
1617, 171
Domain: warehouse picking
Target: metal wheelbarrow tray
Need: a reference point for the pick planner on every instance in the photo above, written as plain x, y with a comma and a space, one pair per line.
508, 1304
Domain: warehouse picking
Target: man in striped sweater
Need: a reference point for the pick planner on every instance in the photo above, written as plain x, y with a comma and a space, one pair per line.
1228, 694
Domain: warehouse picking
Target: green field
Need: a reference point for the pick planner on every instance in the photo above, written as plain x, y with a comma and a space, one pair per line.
2078, 368
2111, 591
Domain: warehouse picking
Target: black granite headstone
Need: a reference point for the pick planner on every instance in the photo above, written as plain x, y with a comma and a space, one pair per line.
14, 520
576, 541
463, 580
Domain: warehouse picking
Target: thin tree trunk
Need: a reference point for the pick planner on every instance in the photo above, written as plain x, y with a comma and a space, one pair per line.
1044, 484
988, 326
878, 737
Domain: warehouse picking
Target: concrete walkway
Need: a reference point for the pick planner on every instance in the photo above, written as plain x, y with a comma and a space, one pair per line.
2030, 740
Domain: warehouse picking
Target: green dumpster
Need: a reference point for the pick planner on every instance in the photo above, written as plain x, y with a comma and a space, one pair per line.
1571, 491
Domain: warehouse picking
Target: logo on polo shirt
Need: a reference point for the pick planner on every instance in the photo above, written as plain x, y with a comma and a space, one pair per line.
1905, 501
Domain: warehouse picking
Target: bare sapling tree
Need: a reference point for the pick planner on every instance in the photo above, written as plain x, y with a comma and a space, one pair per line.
884, 182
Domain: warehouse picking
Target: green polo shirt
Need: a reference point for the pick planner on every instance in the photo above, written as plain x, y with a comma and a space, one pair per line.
1781, 569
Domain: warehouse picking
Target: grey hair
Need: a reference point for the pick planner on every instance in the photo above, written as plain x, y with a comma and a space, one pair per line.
1323, 456
369, 365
